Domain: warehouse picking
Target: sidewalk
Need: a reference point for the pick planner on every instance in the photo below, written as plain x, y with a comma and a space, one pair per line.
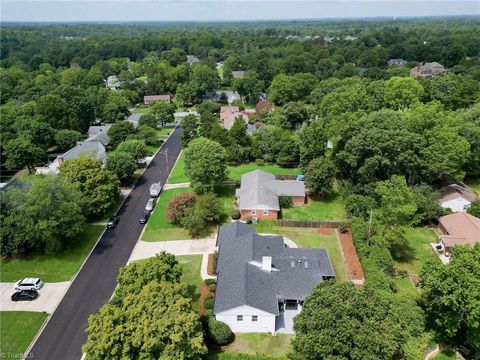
145, 249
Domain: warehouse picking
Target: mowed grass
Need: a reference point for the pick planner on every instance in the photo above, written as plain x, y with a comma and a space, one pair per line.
329, 209
178, 174
474, 185
235, 172
310, 238
17, 329
191, 266
226, 195
140, 110
259, 344
216, 355
56, 267
445, 355
158, 227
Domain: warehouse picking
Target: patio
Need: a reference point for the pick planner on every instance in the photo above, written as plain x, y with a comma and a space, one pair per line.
284, 321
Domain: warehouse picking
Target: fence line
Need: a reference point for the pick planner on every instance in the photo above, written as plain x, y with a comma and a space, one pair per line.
313, 224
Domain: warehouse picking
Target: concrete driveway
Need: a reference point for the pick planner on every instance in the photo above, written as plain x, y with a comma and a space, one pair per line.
145, 249
48, 298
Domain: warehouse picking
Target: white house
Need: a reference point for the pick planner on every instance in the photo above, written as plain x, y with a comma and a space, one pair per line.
457, 198
261, 284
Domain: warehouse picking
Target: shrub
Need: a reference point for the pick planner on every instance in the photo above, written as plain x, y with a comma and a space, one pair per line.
178, 206
285, 202
206, 211
210, 281
402, 273
249, 220
259, 162
136, 148
343, 228
208, 303
236, 215
219, 332
212, 287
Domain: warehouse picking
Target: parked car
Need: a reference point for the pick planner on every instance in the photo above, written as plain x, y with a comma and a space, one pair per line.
25, 295
144, 217
155, 189
112, 222
29, 284
150, 204
300, 177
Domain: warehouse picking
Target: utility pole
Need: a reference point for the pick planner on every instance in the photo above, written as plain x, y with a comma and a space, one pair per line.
369, 227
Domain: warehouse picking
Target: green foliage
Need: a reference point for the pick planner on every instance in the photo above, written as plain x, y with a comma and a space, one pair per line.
250, 86
275, 144
205, 164
158, 322
67, 139
99, 187
474, 208
149, 119
286, 88
135, 148
163, 112
451, 296
206, 212
119, 132
210, 281
319, 176
401, 92
178, 206
189, 124
208, 303
20, 153
285, 202
147, 134
43, 215
123, 165
218, 332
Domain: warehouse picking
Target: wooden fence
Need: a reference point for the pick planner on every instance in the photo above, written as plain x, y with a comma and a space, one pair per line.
313, 224
285, 177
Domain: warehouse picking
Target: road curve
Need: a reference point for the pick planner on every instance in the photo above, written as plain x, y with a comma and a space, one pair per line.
64, 335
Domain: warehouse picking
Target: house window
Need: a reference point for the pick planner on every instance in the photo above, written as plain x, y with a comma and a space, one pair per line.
239, 317
265, 212
254, 212
254, 317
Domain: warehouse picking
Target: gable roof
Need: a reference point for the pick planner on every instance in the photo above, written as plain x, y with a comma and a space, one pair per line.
260, 190
462, 229
455, 191
242, 281
95, 129
238, 74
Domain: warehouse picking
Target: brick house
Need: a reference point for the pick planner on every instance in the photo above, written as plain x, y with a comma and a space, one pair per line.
150, 99
258, 195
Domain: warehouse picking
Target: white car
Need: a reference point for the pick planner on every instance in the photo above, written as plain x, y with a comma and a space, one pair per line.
29, 284
150, 204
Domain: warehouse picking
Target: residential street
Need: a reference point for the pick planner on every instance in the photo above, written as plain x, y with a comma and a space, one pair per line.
64, 334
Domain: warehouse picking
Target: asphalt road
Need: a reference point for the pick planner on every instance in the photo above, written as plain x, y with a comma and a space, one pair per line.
64, 335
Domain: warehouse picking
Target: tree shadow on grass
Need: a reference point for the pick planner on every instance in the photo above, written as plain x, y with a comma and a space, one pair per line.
404, 253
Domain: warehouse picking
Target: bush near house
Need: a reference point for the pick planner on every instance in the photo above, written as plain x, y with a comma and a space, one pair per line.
218, 332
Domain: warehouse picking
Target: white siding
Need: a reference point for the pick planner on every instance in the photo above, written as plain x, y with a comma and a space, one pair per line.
265, 322
457, 205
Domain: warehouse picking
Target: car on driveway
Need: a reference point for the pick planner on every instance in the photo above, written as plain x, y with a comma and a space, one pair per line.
112, 222
150, 204
29, 284
144, 217
25, 295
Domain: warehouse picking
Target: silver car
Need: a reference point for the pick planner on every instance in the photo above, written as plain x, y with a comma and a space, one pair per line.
150, 204
29, 284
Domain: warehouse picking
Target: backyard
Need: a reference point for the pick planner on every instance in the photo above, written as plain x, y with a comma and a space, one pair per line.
255, 344
56, 267
310, 238
329, 209
18, 329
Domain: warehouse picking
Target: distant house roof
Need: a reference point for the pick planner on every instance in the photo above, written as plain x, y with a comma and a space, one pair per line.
228, 114
134, 119
428, 69
14, 184
260, 190
461, 228
192, 59
238, 74
398, 62
147, 99
99, 133
113, 82
95, 129
455, 191
243, 280
262, 107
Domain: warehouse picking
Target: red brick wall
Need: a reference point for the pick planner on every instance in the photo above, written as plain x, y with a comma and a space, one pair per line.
298, 200
272, 215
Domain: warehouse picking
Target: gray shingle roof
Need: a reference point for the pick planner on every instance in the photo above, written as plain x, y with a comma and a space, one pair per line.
242, 281
260, 191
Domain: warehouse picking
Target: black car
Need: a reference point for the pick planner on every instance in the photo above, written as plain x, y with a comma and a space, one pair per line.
112, 222
25, 295
144, 217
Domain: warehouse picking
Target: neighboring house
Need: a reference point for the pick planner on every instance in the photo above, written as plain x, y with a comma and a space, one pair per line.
228, 114
398, 62
192, 59
427, 70
457, 198
459, 229
261, 284
91, 149
134, 119
259, 192
95, 129
263, 107
217, 96
99, 133
112, 83
238, 74
150, 99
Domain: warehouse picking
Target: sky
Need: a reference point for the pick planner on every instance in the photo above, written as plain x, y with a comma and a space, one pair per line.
225, 10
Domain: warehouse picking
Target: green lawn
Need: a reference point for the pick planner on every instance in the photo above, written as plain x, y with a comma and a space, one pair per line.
474, 185
162, 134
226, 194
329, 209
17, 329
52, 268
215, 355
413, 257
310, 238
140, 110
236, 172
445, 355
158, 226
191, 265
178, 174
259, 343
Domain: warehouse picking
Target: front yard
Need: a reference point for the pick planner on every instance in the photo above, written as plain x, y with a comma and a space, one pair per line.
56, 267
17, 329
310, 238
191, 265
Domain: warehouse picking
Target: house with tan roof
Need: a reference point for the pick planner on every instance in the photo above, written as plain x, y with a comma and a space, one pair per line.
459, 229
427, 70
150, 99
457, 197
228, 115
